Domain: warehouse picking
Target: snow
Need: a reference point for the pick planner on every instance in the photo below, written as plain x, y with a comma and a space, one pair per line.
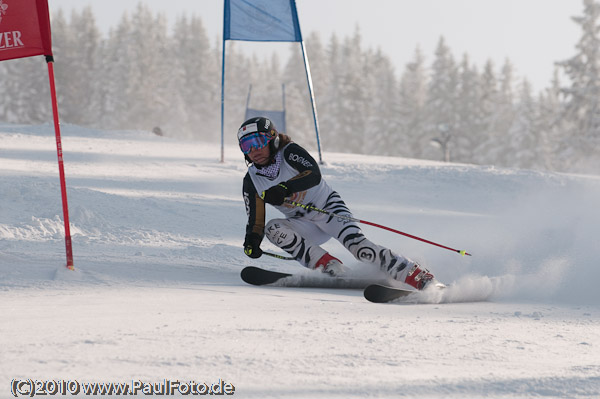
157, 227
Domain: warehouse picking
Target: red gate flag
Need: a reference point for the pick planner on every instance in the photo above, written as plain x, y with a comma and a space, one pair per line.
24, 29
25, 32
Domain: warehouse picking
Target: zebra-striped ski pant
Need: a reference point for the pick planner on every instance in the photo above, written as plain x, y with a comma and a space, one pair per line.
302, 236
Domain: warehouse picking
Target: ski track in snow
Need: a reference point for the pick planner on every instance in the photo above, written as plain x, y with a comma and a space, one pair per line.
157, 227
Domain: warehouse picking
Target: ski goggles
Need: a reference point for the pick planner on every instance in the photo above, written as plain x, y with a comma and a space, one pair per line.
254, 140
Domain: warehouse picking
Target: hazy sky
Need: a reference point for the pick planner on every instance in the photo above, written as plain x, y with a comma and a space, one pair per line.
533, 34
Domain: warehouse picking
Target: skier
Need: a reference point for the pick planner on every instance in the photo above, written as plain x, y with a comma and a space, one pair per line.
280, 170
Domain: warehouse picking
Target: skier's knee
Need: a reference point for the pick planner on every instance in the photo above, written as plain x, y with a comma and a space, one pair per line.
275, 231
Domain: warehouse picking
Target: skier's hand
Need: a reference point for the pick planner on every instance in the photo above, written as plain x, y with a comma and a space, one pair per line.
275, 195
252, 245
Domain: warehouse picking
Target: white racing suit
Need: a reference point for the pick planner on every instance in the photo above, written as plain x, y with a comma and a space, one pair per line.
302, 231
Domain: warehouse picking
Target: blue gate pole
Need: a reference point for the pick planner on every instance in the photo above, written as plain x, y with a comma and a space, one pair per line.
312, 99
223, 105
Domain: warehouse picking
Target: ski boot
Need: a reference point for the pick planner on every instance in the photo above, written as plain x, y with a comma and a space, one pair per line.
420, 278
331, 265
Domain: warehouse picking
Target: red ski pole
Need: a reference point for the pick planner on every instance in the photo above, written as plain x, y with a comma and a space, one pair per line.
352, 219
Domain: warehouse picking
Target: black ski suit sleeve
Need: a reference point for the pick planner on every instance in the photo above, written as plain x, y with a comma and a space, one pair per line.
255, 208
309, 173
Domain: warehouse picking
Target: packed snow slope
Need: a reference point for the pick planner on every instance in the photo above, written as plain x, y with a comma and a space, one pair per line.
157, 227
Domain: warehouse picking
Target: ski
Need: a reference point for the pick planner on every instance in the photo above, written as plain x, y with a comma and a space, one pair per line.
378, 293
439, 293
257, 276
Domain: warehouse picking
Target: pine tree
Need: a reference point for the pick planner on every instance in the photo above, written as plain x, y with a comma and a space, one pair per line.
381, 96
27, 91
550, 125
504, 117
148, 84
469, 94
239, 74
582, 111
115, 94
441, 104
485, 138
523, 136
412, 97
319, 64
351, 102
299, 117
78, 64
194, 83
330, 117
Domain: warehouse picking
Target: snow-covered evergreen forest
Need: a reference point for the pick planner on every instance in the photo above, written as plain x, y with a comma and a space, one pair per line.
144, 73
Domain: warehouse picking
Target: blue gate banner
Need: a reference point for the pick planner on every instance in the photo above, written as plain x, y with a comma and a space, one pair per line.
261, 21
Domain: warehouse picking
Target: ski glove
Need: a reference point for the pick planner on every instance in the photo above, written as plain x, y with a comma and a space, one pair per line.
275, 195
252, 245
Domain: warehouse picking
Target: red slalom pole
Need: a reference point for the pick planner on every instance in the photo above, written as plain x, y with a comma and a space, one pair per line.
312, 208
462, 252
61, 167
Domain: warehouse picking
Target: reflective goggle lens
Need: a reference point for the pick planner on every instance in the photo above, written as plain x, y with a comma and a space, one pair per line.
254, 140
